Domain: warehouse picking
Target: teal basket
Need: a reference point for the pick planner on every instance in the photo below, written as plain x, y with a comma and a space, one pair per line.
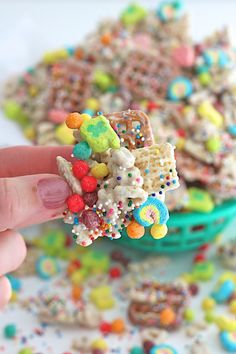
186, 231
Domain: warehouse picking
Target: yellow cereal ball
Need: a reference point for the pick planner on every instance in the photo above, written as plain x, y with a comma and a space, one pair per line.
29, 133
226, 276
188, 278
64, 135
208, 304
226, 324
187, 109
85, 116
232, 307
100, 170
13, 296
143, 104
54, 56
33, 91
218, 239
135, 230
99, 343
92, 103
180, 143
158, 231
78, 276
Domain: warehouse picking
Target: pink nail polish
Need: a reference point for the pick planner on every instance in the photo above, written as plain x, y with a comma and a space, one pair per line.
53, 192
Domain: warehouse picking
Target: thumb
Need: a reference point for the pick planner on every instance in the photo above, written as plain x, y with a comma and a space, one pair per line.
5, 291
31, 199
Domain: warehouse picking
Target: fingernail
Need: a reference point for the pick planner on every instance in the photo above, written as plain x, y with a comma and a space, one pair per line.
53, 192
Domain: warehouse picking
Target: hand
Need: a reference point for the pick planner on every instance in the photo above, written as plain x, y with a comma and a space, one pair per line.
31, 192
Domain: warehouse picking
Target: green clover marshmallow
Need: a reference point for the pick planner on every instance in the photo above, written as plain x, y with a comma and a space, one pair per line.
99, 134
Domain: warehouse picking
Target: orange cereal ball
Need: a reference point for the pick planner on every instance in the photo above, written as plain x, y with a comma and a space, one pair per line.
106, 38
74, 120
76, 292
135, 230
79, 53
71, 268
118, 326
167, 316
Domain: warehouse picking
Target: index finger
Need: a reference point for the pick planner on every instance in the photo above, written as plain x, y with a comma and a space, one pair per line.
29, 160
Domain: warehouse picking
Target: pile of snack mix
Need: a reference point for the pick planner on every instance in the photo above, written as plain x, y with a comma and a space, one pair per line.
144, 60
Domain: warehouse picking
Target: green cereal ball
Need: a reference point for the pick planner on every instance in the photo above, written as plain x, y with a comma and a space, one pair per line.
213, 144
136, 350
14, 112
189, 315
10, 331
25, 351
102, 80
205, 78
210, 317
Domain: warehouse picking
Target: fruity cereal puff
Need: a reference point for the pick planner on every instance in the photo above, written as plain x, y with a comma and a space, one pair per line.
113, 186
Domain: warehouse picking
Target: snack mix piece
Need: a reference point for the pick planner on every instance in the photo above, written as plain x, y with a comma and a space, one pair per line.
158, 305
115, 189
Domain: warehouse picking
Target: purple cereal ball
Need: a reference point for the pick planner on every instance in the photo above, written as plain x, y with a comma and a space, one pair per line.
90, 219
117, 255
90, 198
97, 351
193, 289
147, 346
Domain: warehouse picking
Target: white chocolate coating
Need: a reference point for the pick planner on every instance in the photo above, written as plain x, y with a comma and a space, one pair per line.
123, 185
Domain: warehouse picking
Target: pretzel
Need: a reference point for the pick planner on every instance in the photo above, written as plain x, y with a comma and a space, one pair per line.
194, 170
227, 254
133, 128
166, 34
150, 299
69, 85
147, 75
53, 310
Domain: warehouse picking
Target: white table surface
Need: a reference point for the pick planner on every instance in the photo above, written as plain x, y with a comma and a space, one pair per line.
27, 30
57, 339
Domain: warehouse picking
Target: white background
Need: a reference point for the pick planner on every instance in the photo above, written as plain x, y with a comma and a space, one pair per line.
29, 28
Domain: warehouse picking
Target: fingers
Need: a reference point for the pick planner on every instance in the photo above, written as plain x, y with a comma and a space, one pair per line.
30, 160
32, 199
12, 250
5, 291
